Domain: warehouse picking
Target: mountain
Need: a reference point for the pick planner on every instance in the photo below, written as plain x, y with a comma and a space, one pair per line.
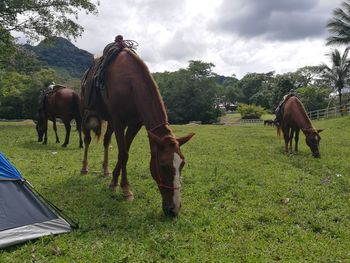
61, 53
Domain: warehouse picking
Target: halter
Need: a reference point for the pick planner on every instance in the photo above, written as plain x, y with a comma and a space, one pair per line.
158, 172
158, 126
312, 129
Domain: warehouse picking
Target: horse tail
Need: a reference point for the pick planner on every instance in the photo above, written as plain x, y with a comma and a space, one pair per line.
92, 121
76, 110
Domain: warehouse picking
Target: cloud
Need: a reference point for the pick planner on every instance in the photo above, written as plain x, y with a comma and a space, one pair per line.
282, 20
237, 36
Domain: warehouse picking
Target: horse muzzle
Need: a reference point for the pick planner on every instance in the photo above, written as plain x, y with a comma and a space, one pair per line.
316, 155
171, 210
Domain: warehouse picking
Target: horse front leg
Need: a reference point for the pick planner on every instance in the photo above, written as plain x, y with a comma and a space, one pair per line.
45, 130
87, 140
296, 139
78, 122
286, 131
124, 184
106, 142
68, 127
119, 135
291, 135
55, 130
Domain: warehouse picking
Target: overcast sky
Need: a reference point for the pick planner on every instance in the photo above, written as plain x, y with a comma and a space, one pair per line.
238, 36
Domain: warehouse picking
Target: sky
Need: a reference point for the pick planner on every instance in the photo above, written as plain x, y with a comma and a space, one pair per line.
237, 36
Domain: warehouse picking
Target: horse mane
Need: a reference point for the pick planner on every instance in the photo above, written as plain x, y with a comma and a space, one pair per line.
302, 110
148, 77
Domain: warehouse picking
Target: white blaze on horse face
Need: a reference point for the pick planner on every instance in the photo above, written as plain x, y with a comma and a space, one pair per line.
176, 183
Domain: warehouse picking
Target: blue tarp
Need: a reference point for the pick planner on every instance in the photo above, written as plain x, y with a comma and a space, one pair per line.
7, 170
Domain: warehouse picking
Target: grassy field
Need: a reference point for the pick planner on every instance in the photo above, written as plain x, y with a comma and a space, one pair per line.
243, 199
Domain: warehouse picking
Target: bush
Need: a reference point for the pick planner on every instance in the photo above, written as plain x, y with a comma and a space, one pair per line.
250, 111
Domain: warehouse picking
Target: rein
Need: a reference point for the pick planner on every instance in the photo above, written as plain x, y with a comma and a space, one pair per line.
158, 172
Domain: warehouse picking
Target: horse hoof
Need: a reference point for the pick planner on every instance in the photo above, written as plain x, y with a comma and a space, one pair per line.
128, 196
64, 145
113, 187
84, 172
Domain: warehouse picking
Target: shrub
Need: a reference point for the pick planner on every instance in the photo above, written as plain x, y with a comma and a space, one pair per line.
250, 111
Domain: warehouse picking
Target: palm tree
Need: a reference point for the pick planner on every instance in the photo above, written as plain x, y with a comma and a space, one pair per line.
339, 25
339, 73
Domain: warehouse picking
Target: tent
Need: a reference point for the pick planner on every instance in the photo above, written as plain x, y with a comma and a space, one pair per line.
25, 214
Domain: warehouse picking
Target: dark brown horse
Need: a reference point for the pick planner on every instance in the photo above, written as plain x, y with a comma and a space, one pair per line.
295, 119
131, 100
60, 103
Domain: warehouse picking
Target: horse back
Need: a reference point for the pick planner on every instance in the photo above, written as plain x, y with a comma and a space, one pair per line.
63, 103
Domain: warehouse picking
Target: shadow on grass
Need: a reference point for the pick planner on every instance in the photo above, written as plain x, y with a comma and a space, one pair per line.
39, 146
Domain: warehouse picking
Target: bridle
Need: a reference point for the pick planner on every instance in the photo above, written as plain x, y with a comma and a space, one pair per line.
158, 126
158, 171
159, 178
310, 142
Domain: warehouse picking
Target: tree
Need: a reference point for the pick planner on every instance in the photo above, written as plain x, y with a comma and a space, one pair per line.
339, 25
339, 73
314, 98
190, 94
40, 18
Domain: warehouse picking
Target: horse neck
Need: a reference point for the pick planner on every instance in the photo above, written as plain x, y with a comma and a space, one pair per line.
150, 104
303, 121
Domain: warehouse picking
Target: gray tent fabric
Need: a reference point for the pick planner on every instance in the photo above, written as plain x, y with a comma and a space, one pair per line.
23, 214
19, 206
21, 234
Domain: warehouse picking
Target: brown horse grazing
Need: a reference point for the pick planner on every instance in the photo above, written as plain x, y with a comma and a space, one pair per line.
294, 119
60, 103
132, 99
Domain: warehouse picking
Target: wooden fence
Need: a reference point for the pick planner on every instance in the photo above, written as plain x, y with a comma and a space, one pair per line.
330, 112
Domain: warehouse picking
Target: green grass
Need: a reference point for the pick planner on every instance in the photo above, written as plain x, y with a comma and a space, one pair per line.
243, 199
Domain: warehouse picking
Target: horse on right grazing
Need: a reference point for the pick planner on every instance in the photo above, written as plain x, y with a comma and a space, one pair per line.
294, 119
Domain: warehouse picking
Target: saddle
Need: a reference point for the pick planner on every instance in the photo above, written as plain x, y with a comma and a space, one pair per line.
46, 93
93, 81
280, 108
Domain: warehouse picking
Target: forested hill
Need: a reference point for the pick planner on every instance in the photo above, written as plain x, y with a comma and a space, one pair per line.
60, 53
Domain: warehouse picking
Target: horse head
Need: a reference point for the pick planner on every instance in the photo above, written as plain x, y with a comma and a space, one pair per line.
313, 141
167, 162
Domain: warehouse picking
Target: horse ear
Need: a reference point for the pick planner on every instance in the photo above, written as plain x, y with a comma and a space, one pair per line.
184, 139
318, 131
155, 138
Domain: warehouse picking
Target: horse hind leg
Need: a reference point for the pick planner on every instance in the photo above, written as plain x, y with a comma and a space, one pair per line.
55, 130
68, 127
106, 142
